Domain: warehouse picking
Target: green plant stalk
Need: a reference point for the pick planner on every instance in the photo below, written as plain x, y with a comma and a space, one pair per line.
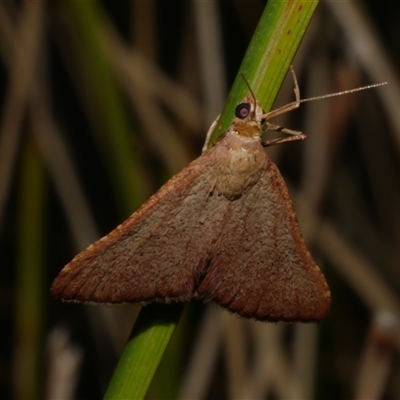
269, 55
265, 65
30, 275
143, 351
166, 380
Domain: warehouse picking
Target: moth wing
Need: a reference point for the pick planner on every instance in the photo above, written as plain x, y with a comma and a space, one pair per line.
157, 253
261, 267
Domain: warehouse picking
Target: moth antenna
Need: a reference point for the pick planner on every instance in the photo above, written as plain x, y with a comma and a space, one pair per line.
248, 85
325, 96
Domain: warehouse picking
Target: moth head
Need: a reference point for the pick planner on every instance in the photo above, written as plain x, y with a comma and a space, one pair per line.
250, 111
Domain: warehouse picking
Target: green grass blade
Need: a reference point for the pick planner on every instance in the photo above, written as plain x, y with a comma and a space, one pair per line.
265, 65
29, 300
269, 55
116, 130
143, 352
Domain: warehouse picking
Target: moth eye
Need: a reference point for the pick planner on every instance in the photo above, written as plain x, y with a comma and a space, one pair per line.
242, 110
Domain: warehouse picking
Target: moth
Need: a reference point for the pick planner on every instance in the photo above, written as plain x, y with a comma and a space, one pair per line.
223, 229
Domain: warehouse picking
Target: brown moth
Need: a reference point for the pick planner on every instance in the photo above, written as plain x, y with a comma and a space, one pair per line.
222, 229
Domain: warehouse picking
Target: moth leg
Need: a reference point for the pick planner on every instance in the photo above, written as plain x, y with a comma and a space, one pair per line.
272, 142
288, 107
209, 133
278, 128
294, 135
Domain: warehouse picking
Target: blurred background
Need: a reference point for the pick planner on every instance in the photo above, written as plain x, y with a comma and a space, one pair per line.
103, 101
